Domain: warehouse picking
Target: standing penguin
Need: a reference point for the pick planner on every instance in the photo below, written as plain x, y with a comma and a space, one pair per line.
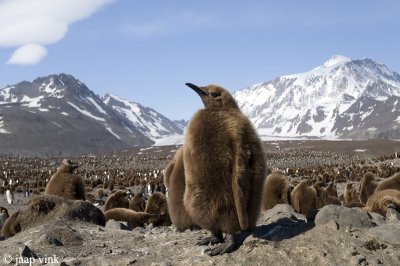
224, 169
174, 179
10, 197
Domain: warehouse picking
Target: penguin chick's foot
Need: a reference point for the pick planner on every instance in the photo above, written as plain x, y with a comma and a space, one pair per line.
216, 238
227, 247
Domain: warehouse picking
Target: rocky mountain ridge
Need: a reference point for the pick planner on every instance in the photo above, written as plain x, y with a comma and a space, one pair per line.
341, 99
59, 115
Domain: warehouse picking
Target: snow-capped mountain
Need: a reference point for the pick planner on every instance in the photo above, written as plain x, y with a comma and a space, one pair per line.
151, 123
343, 98
59, 115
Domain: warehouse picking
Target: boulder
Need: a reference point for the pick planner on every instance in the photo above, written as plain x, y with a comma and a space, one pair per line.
343, 216
389, 233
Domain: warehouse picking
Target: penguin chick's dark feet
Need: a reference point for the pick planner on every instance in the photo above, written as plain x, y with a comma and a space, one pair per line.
227, 247
214, 239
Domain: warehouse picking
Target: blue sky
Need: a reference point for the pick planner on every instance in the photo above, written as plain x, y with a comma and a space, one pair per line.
145, 51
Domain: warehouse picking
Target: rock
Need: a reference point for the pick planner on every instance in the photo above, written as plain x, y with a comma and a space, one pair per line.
389, 233
46, 208
150, 226
278, 212
280, 222
392, 215
50, 240
26, 252
116, 225
285, 227
360, 259
352, 251
343, 216
377, 219
140, 230
332, 225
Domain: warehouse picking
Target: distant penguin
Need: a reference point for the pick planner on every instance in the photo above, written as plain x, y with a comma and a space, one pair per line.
157, 204
137, 203
66, 184
304, 198
117, 200
276, 190
149, 190
174, 179
224, 169
392, 182
10, 197
367, 187
27, 193
381, 200
331, 190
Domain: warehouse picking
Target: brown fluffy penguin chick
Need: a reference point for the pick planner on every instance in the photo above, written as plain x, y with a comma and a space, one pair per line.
117, 200
320, 194
275, 191
304, 198
381, 200
66, 184
134, 219
224, 169
349, 195
367, 187
392, 182
330, 200
12, 226
174, 180
331, 190
137, 203
157, 204
100, 193
355, 203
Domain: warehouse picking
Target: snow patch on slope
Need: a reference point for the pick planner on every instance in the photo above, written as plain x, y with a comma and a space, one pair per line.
110, 130
148, 121
7, 96
175, 139
92, 101
88, 114
51, 89
2, 129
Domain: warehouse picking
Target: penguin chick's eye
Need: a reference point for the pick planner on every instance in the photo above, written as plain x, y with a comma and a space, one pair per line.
215, 94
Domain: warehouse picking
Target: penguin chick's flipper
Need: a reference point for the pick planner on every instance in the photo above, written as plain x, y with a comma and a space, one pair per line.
216, 238
240, 197
227, 247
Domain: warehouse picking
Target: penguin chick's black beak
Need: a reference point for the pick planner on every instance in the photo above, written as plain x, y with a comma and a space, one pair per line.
197, 89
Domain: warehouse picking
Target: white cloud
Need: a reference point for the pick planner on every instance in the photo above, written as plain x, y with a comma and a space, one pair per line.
29, 54
40, 22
